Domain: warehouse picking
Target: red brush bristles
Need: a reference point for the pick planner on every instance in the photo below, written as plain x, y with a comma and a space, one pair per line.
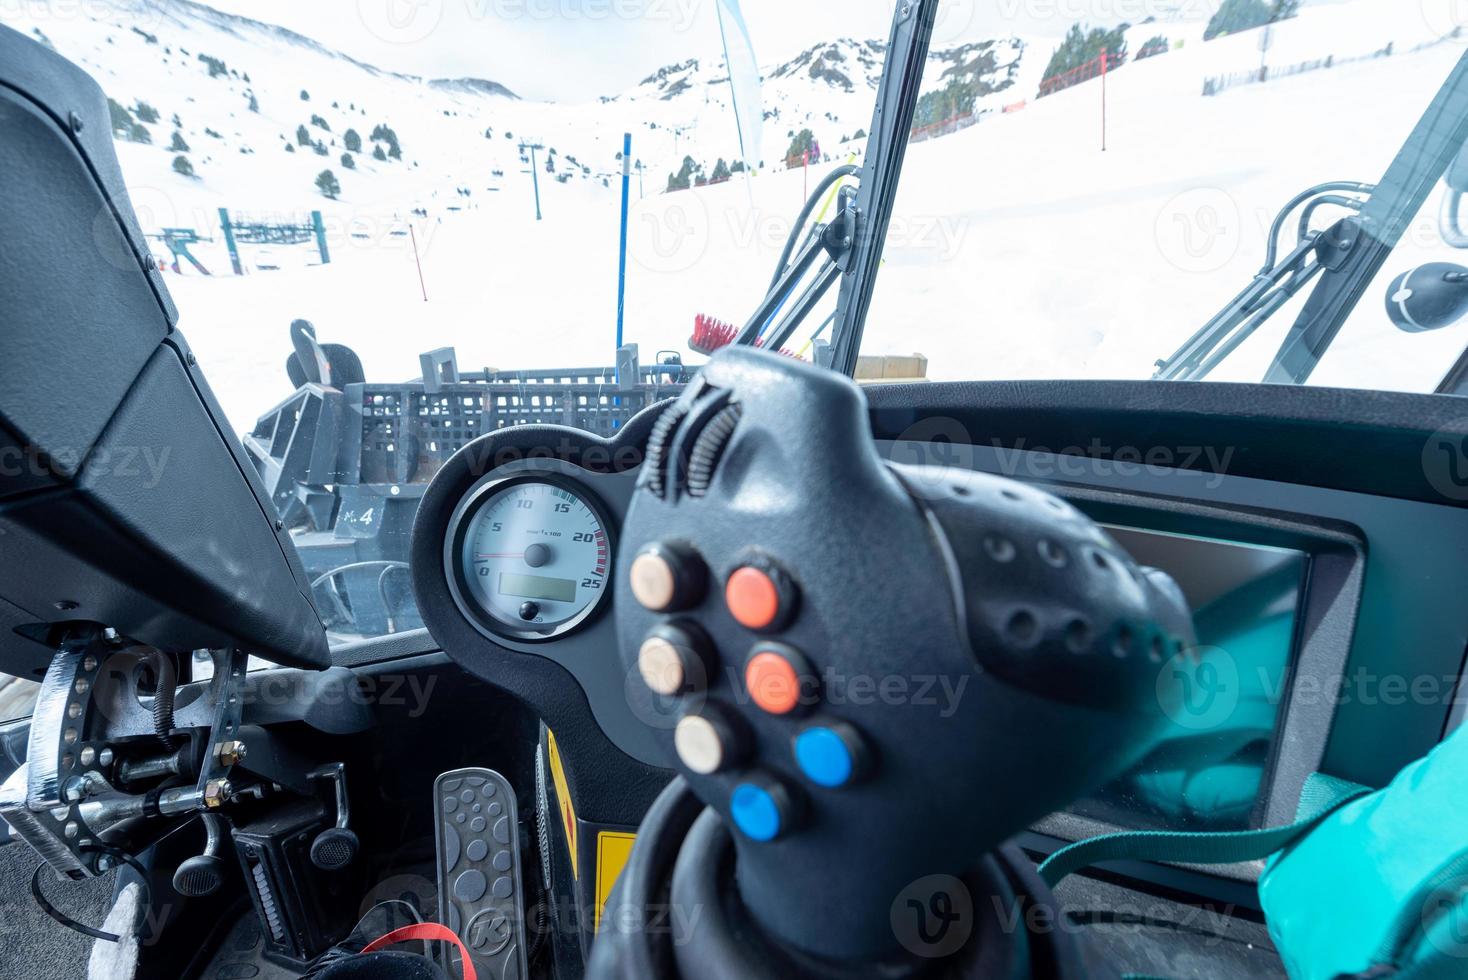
711, 333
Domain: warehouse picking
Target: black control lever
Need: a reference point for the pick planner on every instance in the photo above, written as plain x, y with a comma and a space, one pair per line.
203, 874
335, 847
878, 673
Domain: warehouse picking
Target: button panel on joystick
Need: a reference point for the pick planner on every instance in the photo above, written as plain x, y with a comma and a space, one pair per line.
677, 660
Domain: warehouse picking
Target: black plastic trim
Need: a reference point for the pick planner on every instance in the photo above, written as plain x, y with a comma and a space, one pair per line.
608, 785
1370, 442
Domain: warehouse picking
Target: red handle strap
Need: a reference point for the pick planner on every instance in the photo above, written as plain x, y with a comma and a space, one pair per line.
425, 932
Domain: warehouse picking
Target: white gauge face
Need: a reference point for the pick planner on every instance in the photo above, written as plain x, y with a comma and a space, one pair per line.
535, 556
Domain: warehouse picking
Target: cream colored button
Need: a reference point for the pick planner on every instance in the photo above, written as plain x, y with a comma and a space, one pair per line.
653, 581
661, 666
700, 744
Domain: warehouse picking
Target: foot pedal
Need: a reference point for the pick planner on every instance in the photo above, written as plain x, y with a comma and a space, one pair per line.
479, 887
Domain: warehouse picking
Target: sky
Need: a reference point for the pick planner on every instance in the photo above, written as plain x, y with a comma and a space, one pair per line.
581, 49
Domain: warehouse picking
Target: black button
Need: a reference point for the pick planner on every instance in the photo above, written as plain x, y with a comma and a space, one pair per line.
529, 610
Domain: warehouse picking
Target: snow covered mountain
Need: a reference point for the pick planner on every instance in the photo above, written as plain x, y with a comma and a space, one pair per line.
256, 112
828, 89
212, 109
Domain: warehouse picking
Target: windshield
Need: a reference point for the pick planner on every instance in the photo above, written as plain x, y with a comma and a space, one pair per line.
333, 190
1085, 208
392, 226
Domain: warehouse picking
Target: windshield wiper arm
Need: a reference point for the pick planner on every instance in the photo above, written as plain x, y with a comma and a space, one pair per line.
1423, 159
1276, 283
832, 242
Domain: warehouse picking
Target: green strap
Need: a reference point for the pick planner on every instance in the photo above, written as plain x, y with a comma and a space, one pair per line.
1321, 796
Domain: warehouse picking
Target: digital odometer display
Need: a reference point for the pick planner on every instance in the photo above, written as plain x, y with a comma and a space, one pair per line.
533, 556
538, 587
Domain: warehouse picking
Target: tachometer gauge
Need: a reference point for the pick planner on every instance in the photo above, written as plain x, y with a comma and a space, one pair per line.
530, 557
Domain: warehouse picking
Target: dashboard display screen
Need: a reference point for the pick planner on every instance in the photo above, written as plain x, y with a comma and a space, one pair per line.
538, 587
1210, 771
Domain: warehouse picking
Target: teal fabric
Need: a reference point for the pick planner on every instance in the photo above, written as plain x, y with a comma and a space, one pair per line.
1362, 882
1382, 880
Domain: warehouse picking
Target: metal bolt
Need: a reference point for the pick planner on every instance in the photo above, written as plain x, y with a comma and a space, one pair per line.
191, 359
105, 757
75, 121
280, 525
216, 792
67, 605
230, 753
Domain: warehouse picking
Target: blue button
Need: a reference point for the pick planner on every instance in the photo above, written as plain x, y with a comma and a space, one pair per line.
755, 812
824, 757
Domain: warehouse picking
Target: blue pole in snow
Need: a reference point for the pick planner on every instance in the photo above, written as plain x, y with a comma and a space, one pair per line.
622, 259
535, 179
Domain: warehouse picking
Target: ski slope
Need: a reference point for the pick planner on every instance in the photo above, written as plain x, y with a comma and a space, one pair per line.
1074, 263
1019, 249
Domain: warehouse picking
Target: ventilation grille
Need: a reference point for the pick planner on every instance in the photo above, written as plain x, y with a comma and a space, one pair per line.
267, 902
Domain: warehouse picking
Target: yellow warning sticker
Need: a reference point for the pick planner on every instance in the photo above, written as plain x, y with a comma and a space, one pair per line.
612, 851
563, 798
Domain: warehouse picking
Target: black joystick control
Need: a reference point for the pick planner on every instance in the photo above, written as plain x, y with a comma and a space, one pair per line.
335, 847
204, 873
900, 667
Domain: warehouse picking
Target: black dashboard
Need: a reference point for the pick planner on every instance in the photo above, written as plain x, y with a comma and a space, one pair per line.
1337, 489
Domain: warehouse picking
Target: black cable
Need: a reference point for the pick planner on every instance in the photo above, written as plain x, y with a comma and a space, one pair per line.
144, 906
845, 170
166, 679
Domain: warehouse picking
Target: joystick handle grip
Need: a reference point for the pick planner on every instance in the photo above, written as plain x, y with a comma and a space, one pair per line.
883, 671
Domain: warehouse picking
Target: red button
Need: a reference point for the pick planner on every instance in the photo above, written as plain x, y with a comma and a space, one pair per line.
753, 598
773, 683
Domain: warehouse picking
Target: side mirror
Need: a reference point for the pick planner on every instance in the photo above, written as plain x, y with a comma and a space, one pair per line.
1428, 297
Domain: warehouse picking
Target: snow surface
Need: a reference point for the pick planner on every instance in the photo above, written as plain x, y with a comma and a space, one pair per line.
1019, 249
